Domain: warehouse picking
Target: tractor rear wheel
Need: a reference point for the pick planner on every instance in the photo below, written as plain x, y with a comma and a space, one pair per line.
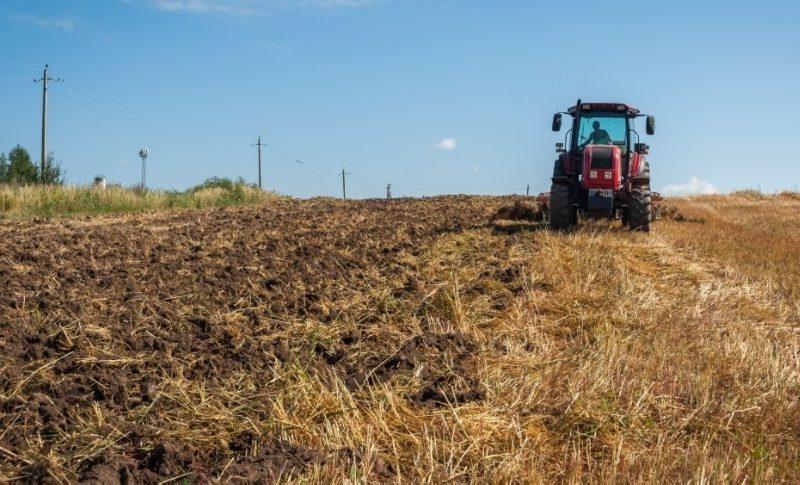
562, 214
640, 210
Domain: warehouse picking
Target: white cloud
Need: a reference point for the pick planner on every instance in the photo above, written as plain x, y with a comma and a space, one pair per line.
448, 144
63, 22
332, 3
248, 7
234, 7
694, 186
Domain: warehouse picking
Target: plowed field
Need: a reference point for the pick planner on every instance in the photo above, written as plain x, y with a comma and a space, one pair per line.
405, 340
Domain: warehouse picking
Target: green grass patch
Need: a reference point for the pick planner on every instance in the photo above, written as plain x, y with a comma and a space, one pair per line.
23, 202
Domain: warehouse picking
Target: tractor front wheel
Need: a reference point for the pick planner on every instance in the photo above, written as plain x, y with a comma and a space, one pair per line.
562, 215
640, 210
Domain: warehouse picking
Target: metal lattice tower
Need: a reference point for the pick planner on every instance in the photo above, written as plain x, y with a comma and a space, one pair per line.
143, 153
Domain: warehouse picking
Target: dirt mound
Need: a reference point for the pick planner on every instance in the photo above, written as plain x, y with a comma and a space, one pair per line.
672, 213
521, 211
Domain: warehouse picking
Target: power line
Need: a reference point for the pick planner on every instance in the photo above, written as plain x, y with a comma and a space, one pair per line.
135, 118
99, 113
99, 100
107, 101
291, 158
121, 122
108, 107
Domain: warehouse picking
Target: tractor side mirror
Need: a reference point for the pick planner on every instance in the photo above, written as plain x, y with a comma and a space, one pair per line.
557, 122
651, 125
642, 148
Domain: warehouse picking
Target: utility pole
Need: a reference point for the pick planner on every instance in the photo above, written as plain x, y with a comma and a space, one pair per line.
44, 80
344, 184
259, 145
388, 191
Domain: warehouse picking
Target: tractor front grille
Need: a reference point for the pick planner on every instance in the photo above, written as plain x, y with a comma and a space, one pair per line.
602, 156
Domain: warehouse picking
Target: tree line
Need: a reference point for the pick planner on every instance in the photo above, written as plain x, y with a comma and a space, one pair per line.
18, 169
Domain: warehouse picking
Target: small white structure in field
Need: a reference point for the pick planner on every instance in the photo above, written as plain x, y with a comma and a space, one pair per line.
99, 182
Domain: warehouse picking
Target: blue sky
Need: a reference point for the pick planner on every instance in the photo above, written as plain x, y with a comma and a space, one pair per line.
432, 96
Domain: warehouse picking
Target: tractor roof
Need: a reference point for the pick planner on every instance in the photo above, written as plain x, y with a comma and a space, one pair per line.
627, 109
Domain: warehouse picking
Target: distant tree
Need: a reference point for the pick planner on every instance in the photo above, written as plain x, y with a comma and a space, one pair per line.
21, 169
212, 183
3, 168
53, 173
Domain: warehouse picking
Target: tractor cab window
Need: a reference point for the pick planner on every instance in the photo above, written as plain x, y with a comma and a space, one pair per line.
603, 129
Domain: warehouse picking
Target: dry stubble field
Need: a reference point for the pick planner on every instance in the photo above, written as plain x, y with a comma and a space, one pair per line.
407, 340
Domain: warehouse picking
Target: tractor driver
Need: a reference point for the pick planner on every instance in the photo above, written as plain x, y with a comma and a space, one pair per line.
599, 136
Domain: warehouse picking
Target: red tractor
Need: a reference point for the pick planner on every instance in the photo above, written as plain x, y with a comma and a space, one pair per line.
604, 172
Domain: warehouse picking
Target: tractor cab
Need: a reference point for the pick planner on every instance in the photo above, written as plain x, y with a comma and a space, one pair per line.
602, 161
610, 124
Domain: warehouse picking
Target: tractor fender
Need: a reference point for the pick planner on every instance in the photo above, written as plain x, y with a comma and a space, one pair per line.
566, 163
635, 165
559, 174
642, 174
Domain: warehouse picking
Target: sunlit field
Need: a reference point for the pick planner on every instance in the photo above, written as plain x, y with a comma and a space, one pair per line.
406, 340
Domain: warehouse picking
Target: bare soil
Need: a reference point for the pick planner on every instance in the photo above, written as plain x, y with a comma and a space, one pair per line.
98, 315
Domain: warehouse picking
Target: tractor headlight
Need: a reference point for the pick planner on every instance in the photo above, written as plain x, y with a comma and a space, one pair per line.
608, 175
593, 174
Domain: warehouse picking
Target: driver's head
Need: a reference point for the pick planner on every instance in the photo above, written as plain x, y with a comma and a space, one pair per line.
596, 125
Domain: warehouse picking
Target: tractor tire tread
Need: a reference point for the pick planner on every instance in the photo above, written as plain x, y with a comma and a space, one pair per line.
562, 215
641, 209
